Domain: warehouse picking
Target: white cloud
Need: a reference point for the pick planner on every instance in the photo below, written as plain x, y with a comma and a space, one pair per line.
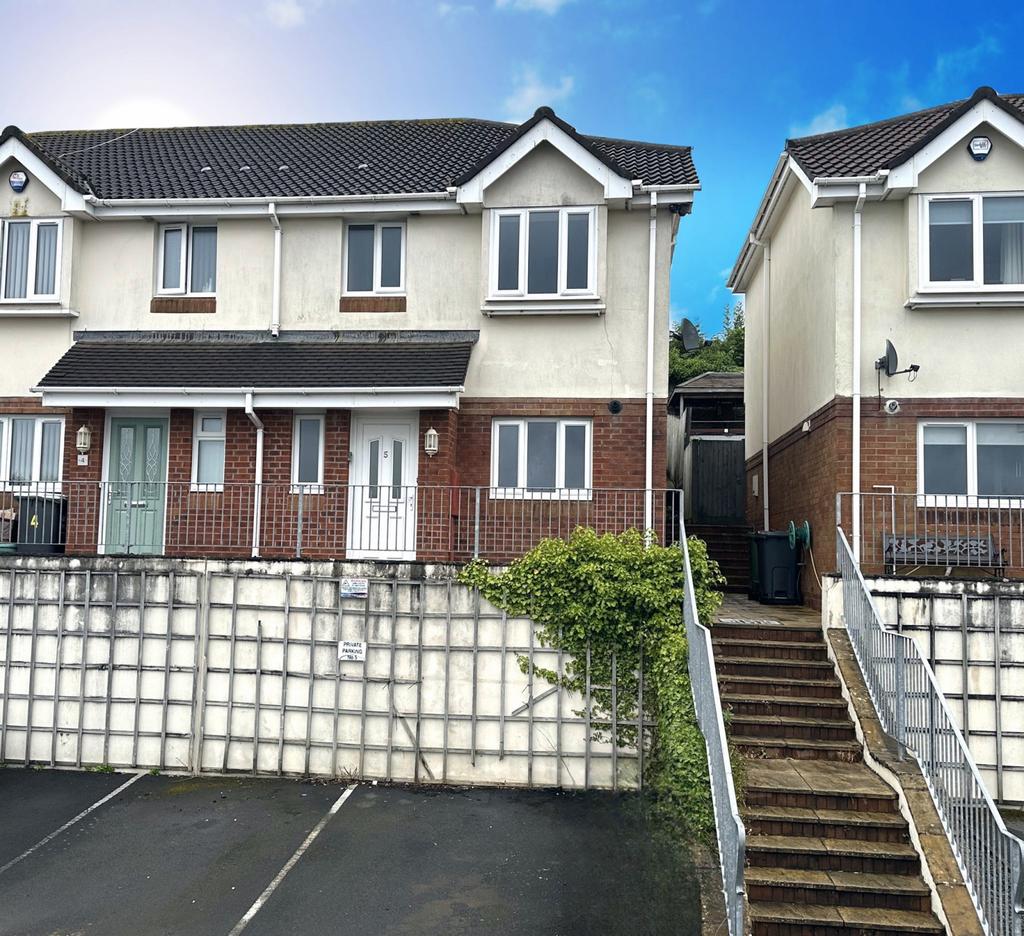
454, 9
833, 118
143, 112
532, 91
287, 14
550, 7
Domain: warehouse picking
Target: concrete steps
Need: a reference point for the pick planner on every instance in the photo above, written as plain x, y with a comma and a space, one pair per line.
828, 852
729, 546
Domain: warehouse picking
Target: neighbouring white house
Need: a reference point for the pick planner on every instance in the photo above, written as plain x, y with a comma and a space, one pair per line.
422, 339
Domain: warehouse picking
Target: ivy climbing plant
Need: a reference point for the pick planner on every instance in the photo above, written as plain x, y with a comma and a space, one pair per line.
618, 598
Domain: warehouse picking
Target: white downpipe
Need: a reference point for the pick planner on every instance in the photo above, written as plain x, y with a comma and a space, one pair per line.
858, 209
649, 435
766, 272
275, 305
256, 511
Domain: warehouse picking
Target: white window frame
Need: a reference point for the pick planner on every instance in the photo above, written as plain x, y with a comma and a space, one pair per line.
183, 288
30, 294
6, 444
971, 498
199, 435
524, 253
977, 283
559, 493
307, 487
377, 289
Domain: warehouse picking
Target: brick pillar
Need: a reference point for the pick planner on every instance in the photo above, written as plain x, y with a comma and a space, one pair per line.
440, 506
81, 482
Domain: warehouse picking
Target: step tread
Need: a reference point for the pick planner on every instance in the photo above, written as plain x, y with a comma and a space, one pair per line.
778, 681
853, 918
727, 642
767, 741
903, 884
747, 699
813, 845
775, 661
826, 778
844, 817
767, 719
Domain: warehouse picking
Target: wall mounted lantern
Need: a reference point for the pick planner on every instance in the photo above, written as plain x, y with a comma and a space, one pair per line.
430, 440
83, 439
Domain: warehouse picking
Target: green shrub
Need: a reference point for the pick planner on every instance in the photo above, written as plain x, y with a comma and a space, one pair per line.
618, 595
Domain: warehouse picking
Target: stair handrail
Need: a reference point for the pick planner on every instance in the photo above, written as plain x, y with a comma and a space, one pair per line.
913, 710
707, 702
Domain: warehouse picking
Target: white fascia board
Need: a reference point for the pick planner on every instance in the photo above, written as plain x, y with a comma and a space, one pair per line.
71, 201
285, 398
827, 192
257, 208
904, 177
545, 131
785, 166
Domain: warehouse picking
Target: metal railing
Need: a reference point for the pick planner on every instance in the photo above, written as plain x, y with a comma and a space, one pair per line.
898, 531
729, 827
317, 521
912, 708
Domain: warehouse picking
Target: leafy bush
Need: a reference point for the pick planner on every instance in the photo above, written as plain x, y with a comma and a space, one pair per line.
620, 596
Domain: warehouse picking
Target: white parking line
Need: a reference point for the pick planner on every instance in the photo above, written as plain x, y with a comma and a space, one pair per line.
71, 822
291, 863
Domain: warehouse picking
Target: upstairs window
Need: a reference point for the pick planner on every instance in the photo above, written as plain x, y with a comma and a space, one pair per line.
31, 449
188, 260
975, 241
374, 258
30, 260
543, 252
540, 457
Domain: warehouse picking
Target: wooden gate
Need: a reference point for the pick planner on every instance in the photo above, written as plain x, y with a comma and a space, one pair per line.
718, 485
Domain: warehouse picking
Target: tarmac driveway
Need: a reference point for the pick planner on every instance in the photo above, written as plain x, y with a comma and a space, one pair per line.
111, 854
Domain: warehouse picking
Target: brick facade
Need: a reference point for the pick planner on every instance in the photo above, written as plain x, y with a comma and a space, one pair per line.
219, 523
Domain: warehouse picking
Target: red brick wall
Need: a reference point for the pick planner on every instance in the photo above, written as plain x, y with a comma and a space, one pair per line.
81, 481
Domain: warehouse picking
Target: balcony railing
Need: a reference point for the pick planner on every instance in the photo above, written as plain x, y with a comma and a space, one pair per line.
895, 533
316, 521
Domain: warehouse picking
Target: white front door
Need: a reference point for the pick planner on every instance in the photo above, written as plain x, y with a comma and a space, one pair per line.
382, 493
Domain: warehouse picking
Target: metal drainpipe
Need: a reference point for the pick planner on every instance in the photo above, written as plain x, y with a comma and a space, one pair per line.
257, 505
858, 209
275, 307
649, 437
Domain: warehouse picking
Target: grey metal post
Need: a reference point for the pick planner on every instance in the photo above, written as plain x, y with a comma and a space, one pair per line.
900, 700
298, 531
476, 527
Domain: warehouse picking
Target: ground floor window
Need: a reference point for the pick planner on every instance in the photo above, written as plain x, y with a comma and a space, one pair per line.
31, 449
980, 458
540, 456
208, 443
308, 451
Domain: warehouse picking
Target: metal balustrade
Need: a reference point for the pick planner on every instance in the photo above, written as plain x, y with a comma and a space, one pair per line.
729, 827
315, 521
912, 709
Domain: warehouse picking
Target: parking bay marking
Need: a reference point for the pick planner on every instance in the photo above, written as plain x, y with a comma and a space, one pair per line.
71, 822
291, 863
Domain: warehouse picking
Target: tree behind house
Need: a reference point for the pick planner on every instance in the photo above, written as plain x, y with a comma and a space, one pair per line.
724, 352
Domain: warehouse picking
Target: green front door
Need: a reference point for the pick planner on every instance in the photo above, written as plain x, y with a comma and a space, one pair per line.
136, 489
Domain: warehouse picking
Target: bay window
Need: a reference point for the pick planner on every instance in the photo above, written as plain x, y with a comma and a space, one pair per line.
31, 450
543, 252
374, 258
187, 263
971, 459
540, 457
974, 242
30, 260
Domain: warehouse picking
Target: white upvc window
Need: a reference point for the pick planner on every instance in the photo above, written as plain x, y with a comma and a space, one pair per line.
31, 450
541, 458
970, 463
187, 260
543, 253
30, 250
374, 260
972, 242
308, 453
209, 438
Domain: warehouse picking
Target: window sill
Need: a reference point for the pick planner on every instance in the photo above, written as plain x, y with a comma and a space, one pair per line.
198, 487
183, 304
37, 489
372, 304
966, 300
36, 310
522, 494
968, 502
306, 489
519, 305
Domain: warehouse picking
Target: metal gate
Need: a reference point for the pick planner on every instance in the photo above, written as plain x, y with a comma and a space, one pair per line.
718, 485
227, 672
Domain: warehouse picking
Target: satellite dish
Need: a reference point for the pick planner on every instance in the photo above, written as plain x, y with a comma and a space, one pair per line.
690, 336
888, 362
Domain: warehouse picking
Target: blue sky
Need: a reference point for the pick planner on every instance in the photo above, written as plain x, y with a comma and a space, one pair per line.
733, 79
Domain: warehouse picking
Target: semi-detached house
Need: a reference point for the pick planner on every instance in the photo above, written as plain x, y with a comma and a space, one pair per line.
423, 339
